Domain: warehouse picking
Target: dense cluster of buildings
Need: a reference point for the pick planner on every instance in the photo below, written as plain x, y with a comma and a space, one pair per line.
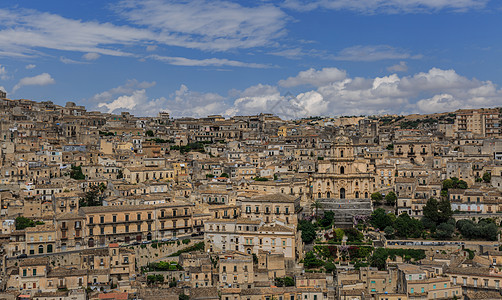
91, 203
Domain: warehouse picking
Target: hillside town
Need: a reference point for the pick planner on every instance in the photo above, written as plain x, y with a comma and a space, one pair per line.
116, 206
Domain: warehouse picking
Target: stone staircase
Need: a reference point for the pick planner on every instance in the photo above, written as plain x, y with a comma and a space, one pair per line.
345, 209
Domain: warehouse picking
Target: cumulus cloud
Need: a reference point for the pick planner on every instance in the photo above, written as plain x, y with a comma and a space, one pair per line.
132, 97
126, 89
30, 66
424, 92
314, 77
209, 62
3, 73
373, 53
91, 56
332, 93
400, 67
439, 103
41, 80
387, 6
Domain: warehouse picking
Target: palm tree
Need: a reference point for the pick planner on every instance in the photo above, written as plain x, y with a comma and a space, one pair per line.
316, 205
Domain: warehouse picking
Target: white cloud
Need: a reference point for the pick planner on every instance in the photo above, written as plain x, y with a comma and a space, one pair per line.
127, 89
2, 88
208, 62
41, 80
91, 56
400, 67
133, 97
151, 48
126, 102
424, 92
22, 31
3, 73
30, 66
333, 93
440, 103
387, 6
207, 25
313, 77
70, 61
373, 53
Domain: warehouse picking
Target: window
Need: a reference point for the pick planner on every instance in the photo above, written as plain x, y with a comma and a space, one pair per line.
35, 272
127, 218
138, 217
24, 272
445, 285
422, 290
149, 216
114, 229
102, 230
412, 290
434, 287
102, 219
114, 219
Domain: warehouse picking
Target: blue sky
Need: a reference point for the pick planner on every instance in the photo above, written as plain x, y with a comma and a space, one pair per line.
293, 58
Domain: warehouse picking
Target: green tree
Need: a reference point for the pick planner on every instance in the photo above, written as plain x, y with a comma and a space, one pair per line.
389, 231
330, 267
22, 223
391, 198
311, 261
431, 210
406, 227
377, 197
183, 297
159, 278
327, 219
487, 177
224, 175
76, 173
379, 258
91, 198
380, 219
444, 210
308, 231
149, 133
445, 230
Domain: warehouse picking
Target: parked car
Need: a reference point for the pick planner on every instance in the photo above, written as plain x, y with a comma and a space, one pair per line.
174, 238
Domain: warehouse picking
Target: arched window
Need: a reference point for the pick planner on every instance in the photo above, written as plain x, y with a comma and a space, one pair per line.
366, 195
342, 170
40, 249
49, 248
319, 195
342, 193
357, 195
341, 153
328, 195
